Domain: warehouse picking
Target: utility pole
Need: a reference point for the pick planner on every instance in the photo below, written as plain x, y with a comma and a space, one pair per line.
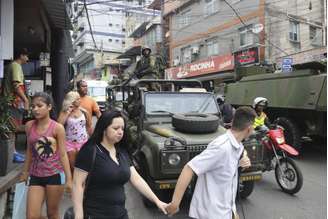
163, 46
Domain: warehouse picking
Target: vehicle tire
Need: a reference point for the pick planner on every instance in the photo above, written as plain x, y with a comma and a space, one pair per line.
292, 174
245, 189
196, 123
291, 131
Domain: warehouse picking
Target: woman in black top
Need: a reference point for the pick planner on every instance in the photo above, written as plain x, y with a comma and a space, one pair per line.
105, 197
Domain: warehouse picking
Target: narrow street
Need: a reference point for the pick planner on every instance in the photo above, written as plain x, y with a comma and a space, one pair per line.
267, 200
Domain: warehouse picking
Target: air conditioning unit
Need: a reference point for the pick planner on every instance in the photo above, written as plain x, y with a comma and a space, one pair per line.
176, 62
293, 37
195, 50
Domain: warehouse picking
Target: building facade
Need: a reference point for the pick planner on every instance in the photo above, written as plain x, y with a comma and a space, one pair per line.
253, 31
111, 24
96, 49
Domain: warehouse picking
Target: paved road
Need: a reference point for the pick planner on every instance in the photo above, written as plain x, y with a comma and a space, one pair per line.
267, 201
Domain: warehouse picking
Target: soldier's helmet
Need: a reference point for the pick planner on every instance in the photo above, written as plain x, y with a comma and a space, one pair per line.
260, 101
144, 48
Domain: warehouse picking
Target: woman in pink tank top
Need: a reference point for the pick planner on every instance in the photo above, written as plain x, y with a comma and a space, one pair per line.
46, 168
77, 125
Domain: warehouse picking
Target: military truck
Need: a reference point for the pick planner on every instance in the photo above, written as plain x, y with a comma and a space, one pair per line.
168, 126
297, 99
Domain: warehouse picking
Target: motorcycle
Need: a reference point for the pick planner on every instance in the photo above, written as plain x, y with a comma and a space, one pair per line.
269, 148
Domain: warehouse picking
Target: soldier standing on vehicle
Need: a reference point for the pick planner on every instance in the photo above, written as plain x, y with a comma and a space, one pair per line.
149, 66
217, 171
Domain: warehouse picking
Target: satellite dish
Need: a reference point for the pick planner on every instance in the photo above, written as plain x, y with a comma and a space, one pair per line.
257, 28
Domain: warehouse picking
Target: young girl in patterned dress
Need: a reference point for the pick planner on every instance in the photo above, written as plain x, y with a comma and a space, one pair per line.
77, 125
46, 168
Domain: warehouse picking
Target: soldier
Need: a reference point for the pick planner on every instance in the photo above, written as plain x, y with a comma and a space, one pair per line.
149, 66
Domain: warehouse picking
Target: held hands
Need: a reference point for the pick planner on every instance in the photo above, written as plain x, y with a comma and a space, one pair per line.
244, 162
161, 206
172, 209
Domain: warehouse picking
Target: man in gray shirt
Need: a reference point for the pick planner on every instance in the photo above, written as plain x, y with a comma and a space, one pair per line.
217, 171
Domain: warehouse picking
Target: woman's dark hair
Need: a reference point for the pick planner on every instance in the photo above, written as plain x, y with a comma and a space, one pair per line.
47, 99
105, 120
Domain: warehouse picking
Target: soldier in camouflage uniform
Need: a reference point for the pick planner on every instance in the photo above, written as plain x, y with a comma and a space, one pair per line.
149, 66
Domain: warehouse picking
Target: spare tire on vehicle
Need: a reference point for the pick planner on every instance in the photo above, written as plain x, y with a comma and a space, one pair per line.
196, 123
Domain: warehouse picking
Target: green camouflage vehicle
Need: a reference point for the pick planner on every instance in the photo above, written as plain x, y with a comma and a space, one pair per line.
169, 126
297, 100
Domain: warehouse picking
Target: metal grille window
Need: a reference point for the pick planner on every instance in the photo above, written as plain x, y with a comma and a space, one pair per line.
212, 47
315, 35
246, 36
185, 18
294, 29
313, 32
211, 7
186, 55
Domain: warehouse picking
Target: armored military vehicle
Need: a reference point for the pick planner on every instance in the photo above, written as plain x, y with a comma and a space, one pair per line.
297, 99
170, 125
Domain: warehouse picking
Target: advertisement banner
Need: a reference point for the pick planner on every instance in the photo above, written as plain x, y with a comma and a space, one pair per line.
247, 56
212, 64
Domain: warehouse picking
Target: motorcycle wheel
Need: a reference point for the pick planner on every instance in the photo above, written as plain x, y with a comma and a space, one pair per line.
291, 178
245, 189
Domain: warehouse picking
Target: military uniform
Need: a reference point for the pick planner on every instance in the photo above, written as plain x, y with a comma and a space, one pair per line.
150, 67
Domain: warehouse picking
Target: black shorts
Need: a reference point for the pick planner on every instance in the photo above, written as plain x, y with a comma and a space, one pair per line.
57, 179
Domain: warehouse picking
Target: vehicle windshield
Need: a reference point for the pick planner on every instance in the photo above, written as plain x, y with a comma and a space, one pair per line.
96, 91
172, 103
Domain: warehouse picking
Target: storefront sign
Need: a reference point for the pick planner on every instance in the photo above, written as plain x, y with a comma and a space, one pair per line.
213, 64
247, 56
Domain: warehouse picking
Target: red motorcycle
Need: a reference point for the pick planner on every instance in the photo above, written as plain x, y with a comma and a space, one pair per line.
268, 150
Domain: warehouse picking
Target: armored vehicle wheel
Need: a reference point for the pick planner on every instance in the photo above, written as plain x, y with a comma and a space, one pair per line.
195, 123
291, 131
245, 189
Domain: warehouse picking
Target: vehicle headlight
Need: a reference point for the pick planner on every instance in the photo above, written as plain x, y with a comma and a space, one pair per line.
174, 159
280, 140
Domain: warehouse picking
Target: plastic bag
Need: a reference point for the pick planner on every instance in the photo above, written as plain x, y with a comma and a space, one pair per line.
69, 213
19, 210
